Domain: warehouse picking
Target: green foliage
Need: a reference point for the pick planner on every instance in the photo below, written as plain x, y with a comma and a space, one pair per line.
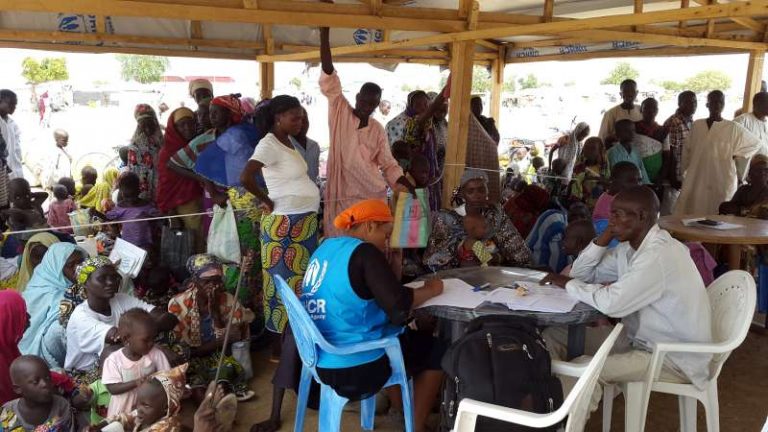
707, 81
621, 72
48, 69
481, 80
509, 85
142, 69
296, 82
704, 81
529, 82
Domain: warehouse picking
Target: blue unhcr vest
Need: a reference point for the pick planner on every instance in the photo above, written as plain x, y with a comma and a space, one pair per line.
342, 317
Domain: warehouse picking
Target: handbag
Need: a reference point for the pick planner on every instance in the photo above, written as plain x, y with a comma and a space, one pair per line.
223, 239
412, 220
176, 246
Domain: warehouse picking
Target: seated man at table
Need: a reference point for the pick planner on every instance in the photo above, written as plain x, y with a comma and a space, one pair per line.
648, 280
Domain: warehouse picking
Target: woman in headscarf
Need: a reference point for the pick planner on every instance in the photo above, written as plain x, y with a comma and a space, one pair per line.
13, 322
446, 248
56, 272
525, 208
420, 134
568, 149
350, 276
395, 128
34, 251
142, 153
201, 90
100, 196
175, 193
290, 204
203, 311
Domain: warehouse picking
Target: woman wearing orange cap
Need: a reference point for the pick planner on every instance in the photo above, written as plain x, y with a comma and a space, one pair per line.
353, 296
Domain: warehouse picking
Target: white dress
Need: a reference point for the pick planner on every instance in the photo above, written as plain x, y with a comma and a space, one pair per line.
708, 163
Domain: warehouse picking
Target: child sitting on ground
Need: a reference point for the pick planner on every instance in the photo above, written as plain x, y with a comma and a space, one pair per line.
59, 209
475, 250
88, 176
131, 207
69, 183
158, 403
39, 408
130, 367
578, 235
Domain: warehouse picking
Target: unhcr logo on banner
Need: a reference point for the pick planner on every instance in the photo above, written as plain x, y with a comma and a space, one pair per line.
366, 36
619, 45
573, 49
527, 53
74, 23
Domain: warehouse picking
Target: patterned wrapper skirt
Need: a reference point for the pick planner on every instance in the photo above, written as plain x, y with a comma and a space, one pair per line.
287, 242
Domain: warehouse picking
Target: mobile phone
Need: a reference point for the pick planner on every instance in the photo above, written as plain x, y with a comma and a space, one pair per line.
709, 222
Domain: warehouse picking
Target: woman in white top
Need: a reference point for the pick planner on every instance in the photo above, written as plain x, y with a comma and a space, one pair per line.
93, 324
290, 205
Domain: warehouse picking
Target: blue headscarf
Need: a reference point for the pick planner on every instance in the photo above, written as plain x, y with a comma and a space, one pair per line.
43, 296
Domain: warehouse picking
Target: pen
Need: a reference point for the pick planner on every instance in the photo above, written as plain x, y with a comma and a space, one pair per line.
481, 287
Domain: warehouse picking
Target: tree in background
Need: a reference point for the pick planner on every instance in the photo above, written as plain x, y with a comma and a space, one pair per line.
509, 85
296, 83
621, 72
46, 70
481, 80
142, 69
529, 82
707, 81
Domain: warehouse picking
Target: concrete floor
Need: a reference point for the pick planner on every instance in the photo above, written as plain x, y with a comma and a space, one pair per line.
743, 398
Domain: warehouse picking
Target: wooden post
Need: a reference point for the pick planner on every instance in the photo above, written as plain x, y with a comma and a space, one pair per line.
754, 78
497, 83
462, 54
266, 79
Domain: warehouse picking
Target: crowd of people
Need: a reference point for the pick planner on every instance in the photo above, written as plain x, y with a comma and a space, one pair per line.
84, 345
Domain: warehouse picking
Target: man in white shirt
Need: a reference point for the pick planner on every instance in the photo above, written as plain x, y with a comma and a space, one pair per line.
648, 280
10, 131
757, 121
626, 110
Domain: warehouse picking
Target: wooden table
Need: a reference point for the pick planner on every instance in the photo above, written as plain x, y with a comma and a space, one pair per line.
752, 232
458, 317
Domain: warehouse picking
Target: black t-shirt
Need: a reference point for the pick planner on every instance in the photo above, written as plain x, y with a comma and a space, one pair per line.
372, 278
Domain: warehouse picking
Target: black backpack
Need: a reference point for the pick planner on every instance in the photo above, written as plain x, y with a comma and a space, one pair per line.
501, 360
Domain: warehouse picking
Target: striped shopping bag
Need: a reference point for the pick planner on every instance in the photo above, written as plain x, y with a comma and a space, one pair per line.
412, 220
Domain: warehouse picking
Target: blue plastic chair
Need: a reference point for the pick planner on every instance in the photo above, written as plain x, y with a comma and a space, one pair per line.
309, 341
762, 286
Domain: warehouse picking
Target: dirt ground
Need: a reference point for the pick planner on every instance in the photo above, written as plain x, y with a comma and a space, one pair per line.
743, 389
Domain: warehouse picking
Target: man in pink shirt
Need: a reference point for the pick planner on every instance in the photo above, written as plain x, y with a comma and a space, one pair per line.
360, 163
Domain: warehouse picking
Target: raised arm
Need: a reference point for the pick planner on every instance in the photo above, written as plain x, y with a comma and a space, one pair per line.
325, 50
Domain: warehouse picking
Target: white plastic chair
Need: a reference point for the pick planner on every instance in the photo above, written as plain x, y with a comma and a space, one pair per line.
732, 300
575, 406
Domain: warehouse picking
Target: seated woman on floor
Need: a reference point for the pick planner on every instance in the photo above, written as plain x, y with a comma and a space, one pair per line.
93, 324
202, 311
751, 199
364, 301
448, 245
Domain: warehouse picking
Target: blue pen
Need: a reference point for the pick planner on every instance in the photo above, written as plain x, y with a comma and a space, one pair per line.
481, 287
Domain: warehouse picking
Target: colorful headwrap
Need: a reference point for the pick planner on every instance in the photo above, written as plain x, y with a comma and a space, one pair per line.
249, 105
232, 104
143, 111
473, 174
198, 84
173, 382
89, 266
365, 211
199, 264
182, 113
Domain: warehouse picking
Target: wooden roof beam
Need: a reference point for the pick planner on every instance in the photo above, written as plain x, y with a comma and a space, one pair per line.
69, 47
756, 7
488, 44
549, 10
68, 37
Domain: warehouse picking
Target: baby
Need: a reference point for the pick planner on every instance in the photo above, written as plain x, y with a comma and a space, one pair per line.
26, 210
59, 209
39, 407
88, 176
130, 367
476, 250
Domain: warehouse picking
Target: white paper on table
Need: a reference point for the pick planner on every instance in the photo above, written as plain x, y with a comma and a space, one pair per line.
456, 293
131, 257
721, 226
540, 298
